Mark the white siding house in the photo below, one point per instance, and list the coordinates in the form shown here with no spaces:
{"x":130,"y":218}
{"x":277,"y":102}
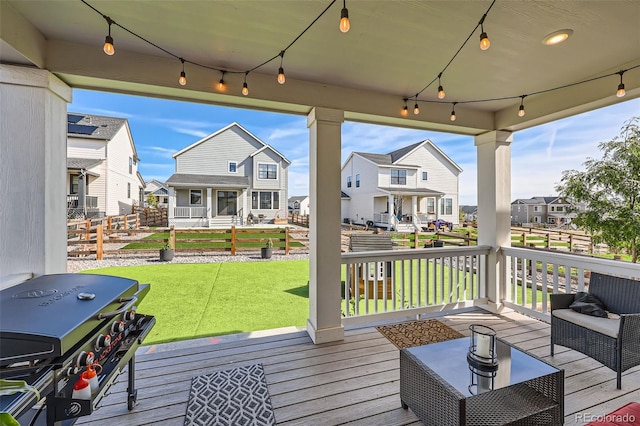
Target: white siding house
{"x":226,"y":176}
{"x":403,"y":189}
{"x":102,"y":166}
{"x":299,"y":204}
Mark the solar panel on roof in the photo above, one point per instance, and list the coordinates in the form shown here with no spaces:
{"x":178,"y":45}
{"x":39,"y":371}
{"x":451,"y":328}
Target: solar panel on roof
{"x":80,"y":129}
{"x":73,"y":118}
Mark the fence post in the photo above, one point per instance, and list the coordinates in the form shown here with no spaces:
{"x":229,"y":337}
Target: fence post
{"x":524,"y":239}
{"x":137,"y":220}
{"x":286,"y":240}
{"x":109,"y":223}
{"x":99,"y":241}
{"x":124,"y":218}
{"x":570,"y":243}
{"x":468,"y":238}
{"x":416,"y":239}
{"x":233,"y":240}
{"x":172,"y":237}
{"x":548,"y":241}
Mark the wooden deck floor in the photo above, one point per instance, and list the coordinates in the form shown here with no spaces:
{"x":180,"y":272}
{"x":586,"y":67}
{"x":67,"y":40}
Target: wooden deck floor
{"x":355,"y":381}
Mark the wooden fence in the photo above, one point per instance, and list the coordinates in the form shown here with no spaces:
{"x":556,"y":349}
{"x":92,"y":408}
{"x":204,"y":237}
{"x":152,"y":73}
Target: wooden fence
{"x":152,"y":216}
{"x":88,"y":242}
{"x":127,"y":221}
{"x":544,"y":238}
{"x":299,"y":219}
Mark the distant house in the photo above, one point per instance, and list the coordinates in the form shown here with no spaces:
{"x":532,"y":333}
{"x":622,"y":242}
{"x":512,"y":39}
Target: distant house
{"x":469,"y":213}
{"x":224,"y":177}
{"x":552,"y":210}
{"x":401,"y":190}
{"x":299,"y":204}
{"x":159,"y":190}
{"x":102,"y":166}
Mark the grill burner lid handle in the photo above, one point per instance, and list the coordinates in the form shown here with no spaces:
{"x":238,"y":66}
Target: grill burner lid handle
{"x":131,"y":301}
{"x":85,"y":358}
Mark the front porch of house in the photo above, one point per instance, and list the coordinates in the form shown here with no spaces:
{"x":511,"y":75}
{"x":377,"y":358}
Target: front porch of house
{"x":406,"y":211}
{"x":353,"y":381}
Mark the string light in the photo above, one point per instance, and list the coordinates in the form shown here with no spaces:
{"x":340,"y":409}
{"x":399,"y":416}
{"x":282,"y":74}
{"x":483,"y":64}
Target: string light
{"x":416,"y":109}
{"x":620,"y":92}
{"x":222,"y":86}
{"x":281,"y":77}
{"x":405,"y":110}
{"x":108,"y":40}
{"x":521,"y":111}
{"x":183,"y":77}
{"x":484,"y":39}
{"x":453,"y":112}
{"x":245,"y":88}
{"x":441,"y":93}
{"x":344,"y":18}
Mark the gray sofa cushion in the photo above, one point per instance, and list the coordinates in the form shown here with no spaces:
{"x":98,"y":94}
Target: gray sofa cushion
{"x":588,"y":304}
{"x":606,"y":326}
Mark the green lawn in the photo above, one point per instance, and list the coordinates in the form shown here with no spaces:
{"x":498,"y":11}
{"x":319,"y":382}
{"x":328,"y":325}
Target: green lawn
{"x":196,"y":300}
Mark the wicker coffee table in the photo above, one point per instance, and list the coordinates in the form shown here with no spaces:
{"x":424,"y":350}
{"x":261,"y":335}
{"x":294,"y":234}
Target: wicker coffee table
{"x":435,"y":383}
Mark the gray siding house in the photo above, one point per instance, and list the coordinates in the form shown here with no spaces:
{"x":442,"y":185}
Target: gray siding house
{"x":553,"y":210}
{"x":225,"y":177}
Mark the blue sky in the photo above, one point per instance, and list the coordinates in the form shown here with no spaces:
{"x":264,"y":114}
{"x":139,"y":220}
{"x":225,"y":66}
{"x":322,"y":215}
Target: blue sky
{"x":539,"y":155}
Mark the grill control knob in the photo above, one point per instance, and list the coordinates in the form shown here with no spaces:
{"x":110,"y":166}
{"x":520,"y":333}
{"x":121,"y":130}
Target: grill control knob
{"x":129,"y":316}
{"x":102,"y":341}
{"x":117,"y":327}
{"x":84,"y":359}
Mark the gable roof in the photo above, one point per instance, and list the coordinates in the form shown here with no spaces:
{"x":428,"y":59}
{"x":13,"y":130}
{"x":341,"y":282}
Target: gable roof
{"x":469,"y":209}
{"x":395,"y":157}
{"x":297,"y":198}
{"x":89,"y":126}
{"x":82,"y":163}
{"x":224,"y":129}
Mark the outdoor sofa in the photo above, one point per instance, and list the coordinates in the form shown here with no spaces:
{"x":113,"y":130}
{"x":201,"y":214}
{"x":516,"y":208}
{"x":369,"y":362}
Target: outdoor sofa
{"x":613,"y":340}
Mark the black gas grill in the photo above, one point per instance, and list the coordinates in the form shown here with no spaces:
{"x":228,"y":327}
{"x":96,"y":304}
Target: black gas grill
{"x":54,"y":326}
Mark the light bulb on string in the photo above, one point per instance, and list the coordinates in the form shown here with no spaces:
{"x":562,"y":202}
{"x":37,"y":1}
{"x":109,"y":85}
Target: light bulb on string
{"x":344,"y":18}
{"x":621,"y":92}
{"x":281,"y":77}
{"x":222,"y":86}
{"x":416,"y":109}
{"x":484,"y":39}
{"x":441,"y":93}
{"x":245,"y":87}
{"x":108,"y":40}
{"x":521,"y":111}
{"x":453,"y":112}
{"x":183,"y":77}
{"x":405,"y":110}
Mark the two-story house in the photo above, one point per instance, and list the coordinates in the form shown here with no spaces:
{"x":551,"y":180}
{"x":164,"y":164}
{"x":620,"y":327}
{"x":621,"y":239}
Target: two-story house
{"x":102,"y":166}
{"x":299,"y":204}
{"x":401,"y":190}
{"x":552,"y":210}
{"x":226,"y":176}
{"x":158,"y":190}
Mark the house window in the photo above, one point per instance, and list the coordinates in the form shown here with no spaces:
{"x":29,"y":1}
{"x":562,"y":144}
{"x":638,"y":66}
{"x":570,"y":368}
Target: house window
{"x":398,"y":177}
{"x":446,"y":206}
{"x":195,"y":197}
{"x":357,"y":181}
{"x":296,"y":205}
{"x":348,"y":181}
{"x":425,"y":176}
{"x":267,"y":171}
{"x":537,"y":208}
{"x":73,"y":187}
{"x":233,"y":167}
{"x":431,"y":205}
{"x":265,"y":200}
{"x":128,"y":190}
{"x":130,"y":165}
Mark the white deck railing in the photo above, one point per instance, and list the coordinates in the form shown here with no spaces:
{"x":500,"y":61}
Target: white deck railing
{"x":550,"y":272}
{"x":404,"y":283}
{"x":190,"y":212}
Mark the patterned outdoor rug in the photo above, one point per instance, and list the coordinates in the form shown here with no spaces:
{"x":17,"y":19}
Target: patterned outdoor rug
{"x":234,"y":397}
{"x":417,"y":333}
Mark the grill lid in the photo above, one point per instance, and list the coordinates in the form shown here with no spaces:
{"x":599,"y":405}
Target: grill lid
{"x":46,"y":316}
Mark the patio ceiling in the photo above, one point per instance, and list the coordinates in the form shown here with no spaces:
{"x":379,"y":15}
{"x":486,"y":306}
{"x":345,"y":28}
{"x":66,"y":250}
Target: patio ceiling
{"x":394,"y":49}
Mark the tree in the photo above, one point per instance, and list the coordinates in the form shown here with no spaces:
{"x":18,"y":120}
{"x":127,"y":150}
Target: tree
{"x":152,"y":201}
{"x":610,"y":189}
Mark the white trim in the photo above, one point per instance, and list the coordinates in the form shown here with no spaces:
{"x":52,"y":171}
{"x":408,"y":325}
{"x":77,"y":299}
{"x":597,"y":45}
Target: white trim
{"x":229,"y":167}
{"x":201,"y":196}
{"x":277,"y":172}
{"x":427,"y":141}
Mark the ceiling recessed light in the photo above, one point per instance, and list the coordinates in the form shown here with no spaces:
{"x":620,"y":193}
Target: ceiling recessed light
{"x":556,"y":37}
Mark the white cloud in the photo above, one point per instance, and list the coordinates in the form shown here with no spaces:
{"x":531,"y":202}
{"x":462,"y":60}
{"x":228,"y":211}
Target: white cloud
{"x":288,"y":132}
{"x":105,"y":112}
{"x":190,"y":131}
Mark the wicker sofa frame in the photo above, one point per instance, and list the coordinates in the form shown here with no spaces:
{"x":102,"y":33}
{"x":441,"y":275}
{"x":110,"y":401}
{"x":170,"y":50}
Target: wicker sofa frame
{"x":620,"y":296}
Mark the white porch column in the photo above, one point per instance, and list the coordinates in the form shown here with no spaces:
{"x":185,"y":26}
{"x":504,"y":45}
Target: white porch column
{"x":33,"y":167}
{"x":414,"y":206}
{"x":494,"y":207}
{"x":209,"y":205}
{"x":324,"y":323}
{"x":391,"y":210}
{"x":171,"y":204}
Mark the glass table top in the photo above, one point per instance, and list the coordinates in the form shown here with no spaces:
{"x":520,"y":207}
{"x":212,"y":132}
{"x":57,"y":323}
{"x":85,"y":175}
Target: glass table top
{"x":449,"y":361}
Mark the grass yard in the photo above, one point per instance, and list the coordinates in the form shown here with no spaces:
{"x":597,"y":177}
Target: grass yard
{"x":198,"y":300}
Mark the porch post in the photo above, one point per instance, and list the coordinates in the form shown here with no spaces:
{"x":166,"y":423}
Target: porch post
{"x":324,"y":323}
{"x":494,"y":193}
{"x":171,"y":204}
{"x":414,"y":207}
{"x":209,"y":205}
{"x":33,"y":169}
{"x":391,"y":210}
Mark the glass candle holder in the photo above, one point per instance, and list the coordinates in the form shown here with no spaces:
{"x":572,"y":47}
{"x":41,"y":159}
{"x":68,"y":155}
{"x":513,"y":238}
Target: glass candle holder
{"x":482,"y":345}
